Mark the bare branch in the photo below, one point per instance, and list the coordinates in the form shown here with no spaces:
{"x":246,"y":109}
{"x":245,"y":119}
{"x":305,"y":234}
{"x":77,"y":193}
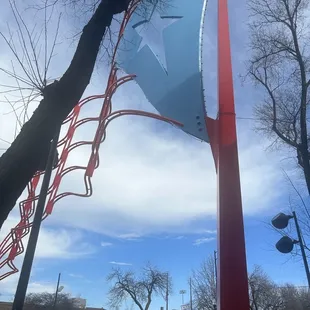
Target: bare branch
{"x":40,"y":301}
{"x":279,"y":63}
{"x":139,"y":289}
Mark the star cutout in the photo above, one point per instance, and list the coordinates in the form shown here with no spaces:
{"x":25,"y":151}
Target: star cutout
{"x":151,"y":32}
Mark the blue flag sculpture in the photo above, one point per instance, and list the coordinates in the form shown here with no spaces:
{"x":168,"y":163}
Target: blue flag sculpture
{"x":173,"y":82}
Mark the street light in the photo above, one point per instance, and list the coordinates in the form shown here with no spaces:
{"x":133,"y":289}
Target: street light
{"x":167,"y":290}
{"x":190,"y":294}
{"x":281,"y":220}
{"x":286,"y":244}
{"x":182,"y":292}
{"x":58,"y":290}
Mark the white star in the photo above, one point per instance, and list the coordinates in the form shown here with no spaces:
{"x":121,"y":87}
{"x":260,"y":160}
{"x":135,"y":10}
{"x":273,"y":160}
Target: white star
{"x":151,"y":32}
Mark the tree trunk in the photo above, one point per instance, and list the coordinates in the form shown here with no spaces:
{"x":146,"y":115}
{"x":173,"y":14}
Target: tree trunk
{"x":21,"y":161}
{"x":149,"y":300}
{"x":306,"y":166}
{"x":303,"y":101}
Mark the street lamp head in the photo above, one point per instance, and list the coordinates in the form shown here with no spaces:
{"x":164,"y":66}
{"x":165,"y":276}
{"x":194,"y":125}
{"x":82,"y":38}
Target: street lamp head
{"x":60,"y":289}
{"x":281,"y":220}
{"x":285,"y":245}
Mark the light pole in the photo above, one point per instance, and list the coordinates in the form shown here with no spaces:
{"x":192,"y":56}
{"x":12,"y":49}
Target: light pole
{"x":58,"y":290}
{"x":190,"y":294}
{"x":286,"y":244}
{"x":25,"y":272}
{"x":215,"y":268}
{"x":215,"y":274}
{"x":182,"y":292}
{"x":167,"y":292}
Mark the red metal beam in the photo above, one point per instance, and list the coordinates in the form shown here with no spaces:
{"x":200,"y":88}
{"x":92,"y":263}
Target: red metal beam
{"x":232,"y":269}
{"x":212,"y":129}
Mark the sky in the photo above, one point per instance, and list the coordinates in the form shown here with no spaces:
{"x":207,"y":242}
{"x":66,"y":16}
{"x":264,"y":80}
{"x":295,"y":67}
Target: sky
{"x":155,"y":191}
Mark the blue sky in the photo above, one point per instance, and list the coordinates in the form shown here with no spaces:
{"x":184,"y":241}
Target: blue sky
{"x":155,"y":191}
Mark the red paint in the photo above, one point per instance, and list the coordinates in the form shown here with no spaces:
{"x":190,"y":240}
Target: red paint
{"x":212,"y":128}
{"x":232,"y":270}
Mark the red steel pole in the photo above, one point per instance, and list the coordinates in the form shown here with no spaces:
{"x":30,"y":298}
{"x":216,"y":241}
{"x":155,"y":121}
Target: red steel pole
{"x":232,"y":269}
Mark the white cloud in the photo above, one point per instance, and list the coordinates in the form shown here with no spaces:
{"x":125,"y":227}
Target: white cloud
{"x":155,"y":179}
{"x":160,"y":180}
{"x":129,"y":236}
{"x":55,"y":243}
{"x":37,"y":287}
{"x":105,"y":244}
{"x":152,"y":178}
{"x":73,"y":275}
{"x":52,"y":244}
{"x":8,"y":287}
{"x":180,"y":237}
{"x":62,"y":244}
{"x":211,"y":232}
{"x":200,"y":241}
{"x":120,"y":263}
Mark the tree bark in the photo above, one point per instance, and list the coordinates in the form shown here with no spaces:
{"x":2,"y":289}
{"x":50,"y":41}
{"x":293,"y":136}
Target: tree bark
{"x":21,"y":161}
{"x":149,"y":300}
{"x":303,"y":147}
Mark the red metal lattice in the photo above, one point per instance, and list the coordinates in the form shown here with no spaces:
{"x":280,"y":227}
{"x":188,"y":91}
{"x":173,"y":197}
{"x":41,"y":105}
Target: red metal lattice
{"x":12,"y":245}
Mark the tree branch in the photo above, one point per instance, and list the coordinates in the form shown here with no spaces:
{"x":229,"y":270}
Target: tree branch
{"x":20,"y":162}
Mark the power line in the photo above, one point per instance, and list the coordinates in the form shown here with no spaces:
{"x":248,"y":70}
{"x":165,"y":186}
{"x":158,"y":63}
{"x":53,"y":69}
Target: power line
{"x":257,"y":119}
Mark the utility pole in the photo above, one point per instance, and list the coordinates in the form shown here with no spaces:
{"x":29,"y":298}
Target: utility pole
{"x":167,"y":292}
{"x":25,"y":272}
{"x":302,"y":248}
{"x":190,"y":294}
{"x":215,"y":268}
{"x":182,"y":292}
{"x":215,"y":264}
{"x":286,"y":244}
{"x":56,"y":293}
{"x":215,"y":276}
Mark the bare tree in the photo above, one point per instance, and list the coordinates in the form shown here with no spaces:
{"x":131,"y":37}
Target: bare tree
{"x":40,"y":301}
{"x":204,"y":285}
{"x":295,"y":298}
{"x":29,"y":150}
{"x":264,"y":293}
{"x":140,"y":289}
{"x":279,"y":63}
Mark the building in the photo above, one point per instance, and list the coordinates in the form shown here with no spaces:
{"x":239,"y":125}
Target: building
{"x":79,"y":302}
{"x":4,"y":305}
